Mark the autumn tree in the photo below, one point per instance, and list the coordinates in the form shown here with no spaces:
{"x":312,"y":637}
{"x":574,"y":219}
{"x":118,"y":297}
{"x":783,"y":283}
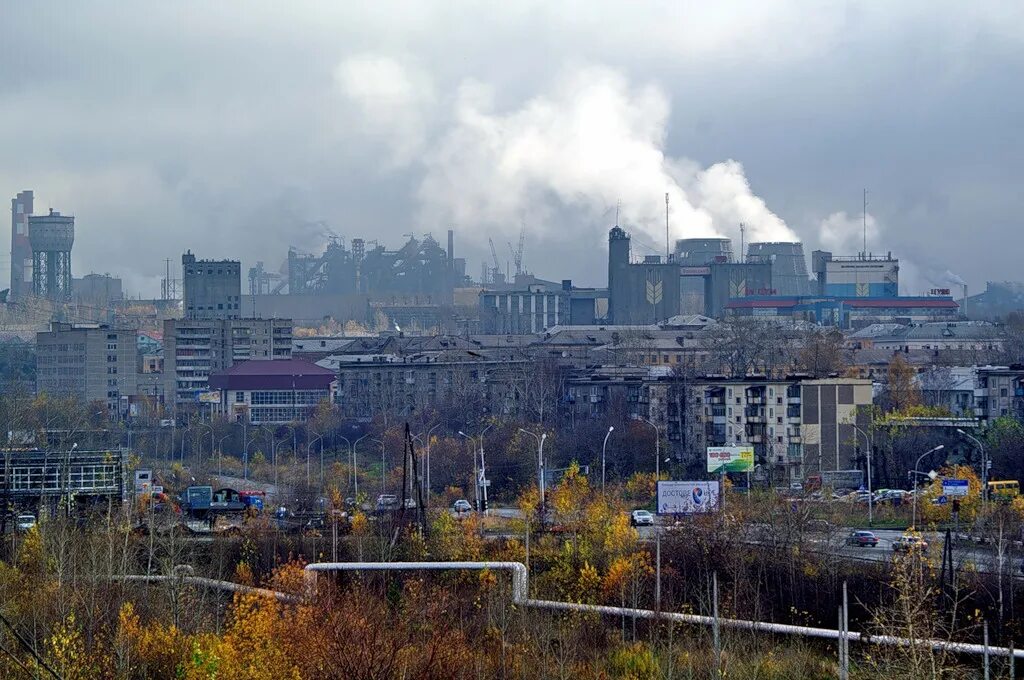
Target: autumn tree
{"x":822,"y":353}
{"x":902,"y":390}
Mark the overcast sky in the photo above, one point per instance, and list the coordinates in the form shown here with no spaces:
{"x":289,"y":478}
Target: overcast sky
{"x":238,"y":129}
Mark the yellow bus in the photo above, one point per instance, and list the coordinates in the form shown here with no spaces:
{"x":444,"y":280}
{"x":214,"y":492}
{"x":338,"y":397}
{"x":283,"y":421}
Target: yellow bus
{"x":1005,"y":489}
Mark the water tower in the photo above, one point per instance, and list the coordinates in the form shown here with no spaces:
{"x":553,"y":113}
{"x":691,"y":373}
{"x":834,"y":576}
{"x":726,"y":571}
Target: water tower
{"x":51,"y":237}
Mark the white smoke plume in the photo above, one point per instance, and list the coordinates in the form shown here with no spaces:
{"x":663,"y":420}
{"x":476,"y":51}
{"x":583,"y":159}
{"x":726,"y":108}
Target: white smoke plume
{"x":844,"y":234}
{"x":955,"y":279}
{"x":572,"y":152}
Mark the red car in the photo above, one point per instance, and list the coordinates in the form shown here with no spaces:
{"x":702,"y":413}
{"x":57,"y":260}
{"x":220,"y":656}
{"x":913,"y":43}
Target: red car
{"x":862,"y":539}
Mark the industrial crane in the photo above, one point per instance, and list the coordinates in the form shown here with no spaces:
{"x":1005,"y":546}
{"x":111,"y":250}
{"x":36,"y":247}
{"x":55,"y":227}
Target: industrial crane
{"x":496,"y":272}
{"x":517,"y":253}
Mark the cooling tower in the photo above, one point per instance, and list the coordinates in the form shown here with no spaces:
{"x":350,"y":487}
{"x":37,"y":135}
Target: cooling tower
{"x":697,"y":252}
{"x":789,"y":267}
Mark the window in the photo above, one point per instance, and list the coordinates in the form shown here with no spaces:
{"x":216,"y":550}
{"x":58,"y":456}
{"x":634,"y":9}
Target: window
{"x":239,"y":397}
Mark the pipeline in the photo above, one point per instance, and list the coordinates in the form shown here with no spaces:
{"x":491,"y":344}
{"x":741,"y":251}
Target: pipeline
{"x":520,"y":592}
{"x":215,"y":584}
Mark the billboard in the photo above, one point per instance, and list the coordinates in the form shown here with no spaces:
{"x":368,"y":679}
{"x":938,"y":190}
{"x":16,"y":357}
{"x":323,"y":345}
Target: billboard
{"x":687,"y":498}
{"x":209,"y":397}
{"x":730,"y":459}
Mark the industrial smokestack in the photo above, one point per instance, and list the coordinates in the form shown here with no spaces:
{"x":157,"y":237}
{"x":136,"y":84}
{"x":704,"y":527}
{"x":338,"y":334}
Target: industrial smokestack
{"x":451,"y":249}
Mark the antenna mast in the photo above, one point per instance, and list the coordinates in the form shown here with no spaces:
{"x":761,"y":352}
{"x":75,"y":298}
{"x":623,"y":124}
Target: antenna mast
{"x":864,"y":222}
{"x":668,"y":251}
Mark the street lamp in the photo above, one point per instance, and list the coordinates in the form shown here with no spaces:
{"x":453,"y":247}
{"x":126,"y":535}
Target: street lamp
{"x":540,"y":461}
{"x":984,"y":465}
{"x":199,"y":443}
{"x":657,"y":446}
{"x":245,"y":460}
{"x":867,"y":443}
{"x":383,"y":466}
{"x":919,"y":459}
{"x":481,"y":476}
{"x":320,"y":438}
{"x":604,"y":447}
{"x":220,"y":453}
{"x":429,"y":432}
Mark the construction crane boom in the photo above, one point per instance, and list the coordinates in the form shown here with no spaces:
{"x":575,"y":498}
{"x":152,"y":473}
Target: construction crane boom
{"x":519,"y":251}
{"x":494,"y":255}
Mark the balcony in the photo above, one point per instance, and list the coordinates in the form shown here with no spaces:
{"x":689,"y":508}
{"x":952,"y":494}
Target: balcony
{"x":756,"y":400}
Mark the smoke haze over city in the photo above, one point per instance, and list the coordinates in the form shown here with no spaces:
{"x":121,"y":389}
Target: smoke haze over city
{"x":238,"y":130}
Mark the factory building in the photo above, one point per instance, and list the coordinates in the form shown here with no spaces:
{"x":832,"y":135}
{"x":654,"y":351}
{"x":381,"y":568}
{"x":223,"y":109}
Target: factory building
{"x":540,"y":307}
{"x":21,"y":247}
{"x":51,"y":237}
{"x":639,"y":293}
{"x":212,"y":288}
{"x":845,"y":312}
{"x":857,"y":276}
{"x":698,"y":252}
{"x":420,"y":268}
{"x":653,"y":290}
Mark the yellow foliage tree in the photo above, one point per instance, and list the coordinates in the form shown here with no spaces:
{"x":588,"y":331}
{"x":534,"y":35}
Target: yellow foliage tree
{"x":970,"y":504}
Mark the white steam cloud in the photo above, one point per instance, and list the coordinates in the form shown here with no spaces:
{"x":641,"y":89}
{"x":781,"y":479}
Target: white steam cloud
{"x":587,"y":142}
{"x":844,"y":234}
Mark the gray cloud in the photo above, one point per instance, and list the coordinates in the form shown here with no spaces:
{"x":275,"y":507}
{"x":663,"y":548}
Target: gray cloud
{"x":226,"y":127}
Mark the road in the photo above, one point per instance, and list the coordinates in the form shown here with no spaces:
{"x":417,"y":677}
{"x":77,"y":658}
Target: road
{"x":979,"y":558}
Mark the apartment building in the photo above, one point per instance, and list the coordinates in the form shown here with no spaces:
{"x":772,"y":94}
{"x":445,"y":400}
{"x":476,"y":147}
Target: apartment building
{"x":981,"y":392}
{"x":91,"y":362}
{"x":370,"y":384}
{"x":196,"y":348}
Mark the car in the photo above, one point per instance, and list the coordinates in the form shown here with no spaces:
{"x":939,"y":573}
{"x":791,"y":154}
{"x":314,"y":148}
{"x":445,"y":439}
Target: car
{"x":862,"y":539}
{"x":462,"y":505}
{"x":910,"y":542}
{"x":819,"y":526}
{"x":24,"y":521}
{"x":641,"y":518}
{"x":387,"y":501}
{"x":796,"y":486}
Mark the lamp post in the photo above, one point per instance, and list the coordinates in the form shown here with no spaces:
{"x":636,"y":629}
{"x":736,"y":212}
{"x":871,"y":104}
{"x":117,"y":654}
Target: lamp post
{"x":220,"y":452}
{"x":604,"y":448}
{"x":245,"y":460}
{"x":867,"y":443}
{"x":984,"y":466}
{"x":480,"y":476}
{"x":199,"y":443}
{"x":657,"y":447}
{"x":352,"y":453}
{"x":383,"y":466}
{"x":919,"y":459}
{"x":476,"y":476}
{"x":317,"y":438}
{"x":429,"y":432}
{"x":540,"y":462}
